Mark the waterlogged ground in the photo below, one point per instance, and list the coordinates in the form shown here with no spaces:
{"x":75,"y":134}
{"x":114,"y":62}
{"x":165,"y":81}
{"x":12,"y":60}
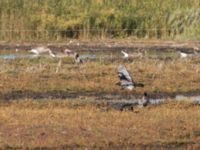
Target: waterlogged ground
{"x":44,"y":106}
{"x":160,"y":68}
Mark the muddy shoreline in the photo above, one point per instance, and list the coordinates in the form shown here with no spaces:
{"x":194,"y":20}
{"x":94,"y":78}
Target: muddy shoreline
{"x":17,"y":95}
{"x":110,"y":46}
{"x":173,"y":146}
{"x":99,"y":47}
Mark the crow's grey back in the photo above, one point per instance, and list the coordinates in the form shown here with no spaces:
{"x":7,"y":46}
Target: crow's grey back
{"x":125,"y":79}
{"x":123,"y":73}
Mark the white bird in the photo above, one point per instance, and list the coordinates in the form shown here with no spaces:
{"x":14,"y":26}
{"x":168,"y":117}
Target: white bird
{"x":183,"y":55}
{"x":40,"y":50}
{"x":125,"y":54}
{"x":70,"y":41}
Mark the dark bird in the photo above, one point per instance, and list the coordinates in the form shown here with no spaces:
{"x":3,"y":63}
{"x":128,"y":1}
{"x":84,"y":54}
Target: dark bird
{"x":74,"y":55}
{"x":144,"y":101}
{"x":77,"y":59}
{"x":126,"y":81}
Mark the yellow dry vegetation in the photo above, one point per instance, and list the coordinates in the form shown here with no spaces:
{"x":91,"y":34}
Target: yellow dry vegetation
{"x":56,"y":124}
{"x":158,"y":76}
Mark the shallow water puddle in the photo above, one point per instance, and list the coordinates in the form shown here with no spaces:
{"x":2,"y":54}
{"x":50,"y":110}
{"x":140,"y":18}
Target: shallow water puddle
{"x":124,"y":104}
{"x":16,"y":56}
{"x":194,"y":99}
{"x":24,"y":54}
{"x":93,"y":55}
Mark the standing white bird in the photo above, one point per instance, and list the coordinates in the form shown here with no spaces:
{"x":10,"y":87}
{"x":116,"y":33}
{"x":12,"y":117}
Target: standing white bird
{"x":40,"y":50}
{"x":183,"y":55}
{"x":125,"y":54}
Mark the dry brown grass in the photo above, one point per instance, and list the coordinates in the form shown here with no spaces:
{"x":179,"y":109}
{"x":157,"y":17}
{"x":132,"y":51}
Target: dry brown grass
{"x":159,"y":76}
{"x":57,"y":124}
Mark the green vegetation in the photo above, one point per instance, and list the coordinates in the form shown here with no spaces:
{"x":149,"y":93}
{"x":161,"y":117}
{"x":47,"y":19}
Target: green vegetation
{"x":28,"y":20}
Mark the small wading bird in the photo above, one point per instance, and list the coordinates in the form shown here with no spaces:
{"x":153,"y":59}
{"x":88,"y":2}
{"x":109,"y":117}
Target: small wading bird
{"x":182,"y":54}
{"x":144,"y":101}
{"x":69,"y":53}
{"x":126,"y":81}
{"x":140,"y":103}
{"x":185,"y":55}
{"x":125,"y":55}
{"x":77,"y":59}
{"x":132,"y":55}
{"x":75,"y":55}
{"x":40,"y":50}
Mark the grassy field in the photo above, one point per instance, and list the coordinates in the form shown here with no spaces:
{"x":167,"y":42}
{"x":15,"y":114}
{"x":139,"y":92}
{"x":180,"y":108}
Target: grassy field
{"x":55,"y":124}
{"x":158,"y":76}
{"x":80,"y":122}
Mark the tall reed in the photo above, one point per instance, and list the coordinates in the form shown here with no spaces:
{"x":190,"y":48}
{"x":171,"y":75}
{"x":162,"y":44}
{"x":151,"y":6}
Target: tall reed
{"x":60,"y":19}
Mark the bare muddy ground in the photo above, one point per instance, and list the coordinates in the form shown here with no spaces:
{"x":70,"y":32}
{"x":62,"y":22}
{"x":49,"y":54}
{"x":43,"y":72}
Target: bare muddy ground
{"x":17,"y":95}
{"x":103,"y":101}
{"x":110,"y":46}
{"x":114,"y":46}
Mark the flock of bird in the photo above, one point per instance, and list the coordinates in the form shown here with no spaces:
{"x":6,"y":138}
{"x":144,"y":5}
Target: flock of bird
{"x":126,"y":81}
{"x":67,"y":53}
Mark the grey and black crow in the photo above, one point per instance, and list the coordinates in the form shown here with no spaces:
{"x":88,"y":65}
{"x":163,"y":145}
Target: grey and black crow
{"x":126,"y":81}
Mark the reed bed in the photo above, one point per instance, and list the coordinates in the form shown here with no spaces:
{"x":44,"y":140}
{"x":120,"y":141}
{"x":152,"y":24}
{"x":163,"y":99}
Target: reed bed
{"x":46,"y":20}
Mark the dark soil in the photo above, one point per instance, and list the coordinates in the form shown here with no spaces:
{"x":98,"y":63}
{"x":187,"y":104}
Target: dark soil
{"x":110,"y":46}
{"x":119,"y":147}
{"x":17,"y":95}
